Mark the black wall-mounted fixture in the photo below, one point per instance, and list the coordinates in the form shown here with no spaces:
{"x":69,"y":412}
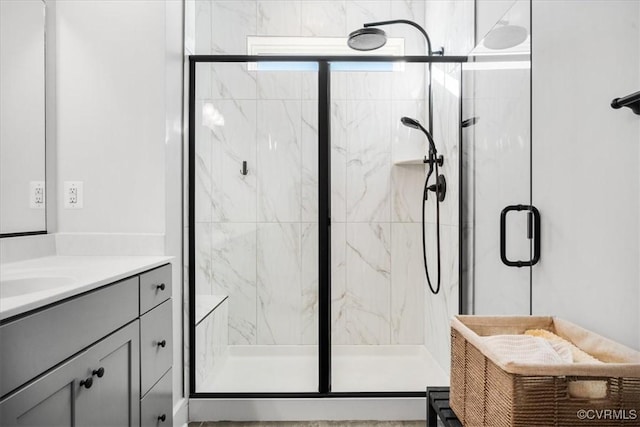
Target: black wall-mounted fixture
{"x":244,"y":170}
{"x":632,"y":101}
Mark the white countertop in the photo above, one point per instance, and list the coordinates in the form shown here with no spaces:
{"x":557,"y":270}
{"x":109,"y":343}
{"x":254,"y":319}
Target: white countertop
{"x":74,"y":274}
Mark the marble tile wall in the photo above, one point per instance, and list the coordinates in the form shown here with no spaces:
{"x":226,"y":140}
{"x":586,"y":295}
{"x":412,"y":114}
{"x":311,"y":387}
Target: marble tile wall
{"x":257,"y":234}
{"x":211,"y":344}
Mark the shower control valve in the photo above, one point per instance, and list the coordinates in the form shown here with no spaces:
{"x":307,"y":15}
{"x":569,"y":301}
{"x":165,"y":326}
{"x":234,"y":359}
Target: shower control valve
{"x":440,"y":188}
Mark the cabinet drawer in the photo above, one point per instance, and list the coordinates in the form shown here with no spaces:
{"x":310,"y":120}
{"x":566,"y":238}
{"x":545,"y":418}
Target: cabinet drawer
{"x":35,"y":343}
{"x":156,"y":345}
{"x":155,"y":287}
{"x":156,"y":409}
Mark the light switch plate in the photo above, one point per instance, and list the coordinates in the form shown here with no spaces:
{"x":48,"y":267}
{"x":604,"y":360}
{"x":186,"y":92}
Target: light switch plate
{"x":73,"y":197}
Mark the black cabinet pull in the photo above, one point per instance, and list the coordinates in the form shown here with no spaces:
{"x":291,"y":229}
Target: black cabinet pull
{"x":98,"y":372}
{"x":162,"y":343}
{"x":86,"y":383}
{"x":162,"y":418}
{"x":160,"y":287}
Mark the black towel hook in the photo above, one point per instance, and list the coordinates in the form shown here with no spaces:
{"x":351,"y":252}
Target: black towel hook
{"x":632,"y":101}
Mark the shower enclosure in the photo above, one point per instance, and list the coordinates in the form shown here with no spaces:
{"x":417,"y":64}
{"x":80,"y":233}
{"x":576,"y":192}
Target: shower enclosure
{"x":306,"y":272}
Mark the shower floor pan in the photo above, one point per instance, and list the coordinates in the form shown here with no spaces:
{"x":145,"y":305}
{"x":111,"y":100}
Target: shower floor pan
{"x":355,"y":368}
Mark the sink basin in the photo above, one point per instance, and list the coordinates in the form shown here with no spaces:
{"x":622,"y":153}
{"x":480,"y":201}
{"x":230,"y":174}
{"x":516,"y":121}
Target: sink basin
{"x":13,"y":287}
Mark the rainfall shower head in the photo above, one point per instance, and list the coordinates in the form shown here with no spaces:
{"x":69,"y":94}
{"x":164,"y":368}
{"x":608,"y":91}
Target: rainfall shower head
{"x":414,"y":124}
{"x":367,"y":39}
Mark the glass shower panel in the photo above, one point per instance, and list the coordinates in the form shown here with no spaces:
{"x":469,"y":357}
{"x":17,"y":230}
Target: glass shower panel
{"x":497,"y":166}
{"x":256,"y":228}
{"x":378,"y":291}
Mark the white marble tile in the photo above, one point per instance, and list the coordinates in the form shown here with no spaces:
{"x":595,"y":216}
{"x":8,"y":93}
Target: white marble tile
{"x":414,"y":41}
{"x":407,"y":181}
{"x":368,"y":275}
{"x":203,"y":27}
{"x":324,"y":18}
{"x":211,"y":345}
{"x":411,"y":82}
{"x":278,"y":18}
{"x":309,"y":280}
{"x":309,"y":85}
{"x":279,"y":85}
{"x":441,"y":307}
{"x":234,"y":135}
{"x":360,"y":12}
{"x":339,"y":296}
{"x":369,"y":161}
{"x":369,"y":85}
{"x":233,"y":274}
{"x":407,"y":284}
{"x":309,"y":152}
{"x":279,"y":161}
{"x":279,"y":284}
{"x":203,"y":191}
{"x":338,"y":161}
{"x":232,"y":81}
{"x":203,"y":258}
{"x":232,"y":22}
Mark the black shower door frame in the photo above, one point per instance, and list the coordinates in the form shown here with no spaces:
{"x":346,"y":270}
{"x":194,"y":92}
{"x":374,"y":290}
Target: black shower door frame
{"x":324,"y":213}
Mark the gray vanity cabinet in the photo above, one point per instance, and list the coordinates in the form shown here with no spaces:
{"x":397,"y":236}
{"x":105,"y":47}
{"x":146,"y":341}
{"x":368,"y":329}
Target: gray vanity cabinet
{"x":94,"y":360}
{"x":97,"y":387}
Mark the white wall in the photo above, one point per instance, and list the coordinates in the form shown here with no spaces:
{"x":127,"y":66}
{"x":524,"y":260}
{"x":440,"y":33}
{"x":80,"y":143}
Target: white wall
{"x":585,"y":164}
{"x":119,"y":127}
{"x":111,"y":114}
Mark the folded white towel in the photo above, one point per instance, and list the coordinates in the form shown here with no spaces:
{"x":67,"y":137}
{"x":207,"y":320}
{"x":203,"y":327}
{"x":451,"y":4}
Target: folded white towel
{"x":526,"y":349}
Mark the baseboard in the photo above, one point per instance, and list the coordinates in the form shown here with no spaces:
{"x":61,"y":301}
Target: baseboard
{"x":303,"y":409}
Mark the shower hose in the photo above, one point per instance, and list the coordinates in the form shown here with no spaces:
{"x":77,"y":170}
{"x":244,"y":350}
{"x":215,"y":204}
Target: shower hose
{"x":433,"y":160}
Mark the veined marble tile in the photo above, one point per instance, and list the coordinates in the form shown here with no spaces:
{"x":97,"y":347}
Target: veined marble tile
{"x":232,"y":81}
{"x":360,"y":12}
{"x":203,"y":258}
{"x":369,"y":161}
{"x":407,"y":284}
{"x":338,"y":161}
{"x":279,"y":18}
{"x":279,"y":283}
{"x":368,"y":283}
{"x":279,"y":85}
{"x":309,"y":152}
{"x":414,"y":42}
{"x":372,"y":85}
{"x":234,"y":274}
{"x":407,"y":181}
{"x":203,"y":81}
{"x":324,"y":18}
{"x":232,"y":22}
{"x":339,"y":296}
{"x":410,"y":83}
{"x":204,"y":143}
{"x":441,"y":307}
{"x":234,"y":135}
{"x":309,"y":85}
{"x":279,"y":161}
{"x":309,"y":280}
{"x":203,"y":28}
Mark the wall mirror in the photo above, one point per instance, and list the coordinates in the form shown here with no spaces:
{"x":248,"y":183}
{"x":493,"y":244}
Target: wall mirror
{"x":22,"y":118}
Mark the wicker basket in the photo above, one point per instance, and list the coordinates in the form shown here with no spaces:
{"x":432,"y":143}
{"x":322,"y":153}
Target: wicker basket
{"x":486,"y":391}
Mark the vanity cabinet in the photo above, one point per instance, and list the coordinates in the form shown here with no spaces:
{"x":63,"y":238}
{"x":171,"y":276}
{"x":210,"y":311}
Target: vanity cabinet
{"x":94,"y":360}
{"x":97,"y":387}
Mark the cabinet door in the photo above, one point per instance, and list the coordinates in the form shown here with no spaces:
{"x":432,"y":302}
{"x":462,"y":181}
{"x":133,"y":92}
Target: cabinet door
{"x":113,"y":400}
{"x":57,"y":399}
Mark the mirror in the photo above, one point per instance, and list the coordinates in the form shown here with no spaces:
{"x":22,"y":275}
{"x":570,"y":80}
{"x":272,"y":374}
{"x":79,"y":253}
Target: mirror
{"x":22,"y":117}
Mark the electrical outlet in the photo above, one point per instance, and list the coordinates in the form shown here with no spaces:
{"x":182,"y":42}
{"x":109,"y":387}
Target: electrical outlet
{"x":36,"y":194}
{"x":73,"y":195}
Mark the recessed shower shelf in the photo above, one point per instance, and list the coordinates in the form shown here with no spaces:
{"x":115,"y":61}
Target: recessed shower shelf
{"x":406,"y":162}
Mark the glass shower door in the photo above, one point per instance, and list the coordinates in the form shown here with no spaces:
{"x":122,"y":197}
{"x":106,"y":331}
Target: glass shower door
{"x":256,"y":228}
{"x":497,"y":170}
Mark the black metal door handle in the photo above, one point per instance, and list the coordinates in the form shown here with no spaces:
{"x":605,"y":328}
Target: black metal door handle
{"x":536,"y":235}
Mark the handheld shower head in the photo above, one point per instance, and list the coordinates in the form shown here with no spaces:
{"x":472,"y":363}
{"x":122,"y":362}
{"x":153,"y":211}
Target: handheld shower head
{"x":414,"y":124}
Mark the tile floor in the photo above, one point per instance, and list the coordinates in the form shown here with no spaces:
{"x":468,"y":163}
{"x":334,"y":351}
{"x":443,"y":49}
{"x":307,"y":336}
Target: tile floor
{"x":313,"y":424}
